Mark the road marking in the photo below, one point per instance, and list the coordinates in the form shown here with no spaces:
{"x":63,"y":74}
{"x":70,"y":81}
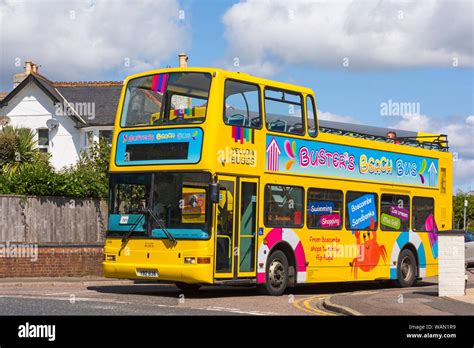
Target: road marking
{"x":308,"y":308}
{"x":234,"y":310}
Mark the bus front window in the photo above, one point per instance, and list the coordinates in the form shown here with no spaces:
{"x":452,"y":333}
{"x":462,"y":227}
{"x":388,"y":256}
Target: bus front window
{"x":168,"y":98}
{"x":180,"y":202}
{"x":128,"y":198}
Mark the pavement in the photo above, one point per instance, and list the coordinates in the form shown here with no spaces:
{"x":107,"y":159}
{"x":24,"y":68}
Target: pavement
{"x":421,"y":299}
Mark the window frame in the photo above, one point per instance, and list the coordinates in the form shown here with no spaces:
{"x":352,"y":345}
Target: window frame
{"x":342,"y":208}
{"x":413,"y":215}
{"x":313,"y":103}
{"x":385,"y":229}
{"x":277,"y":89}
{"x":87,"y":144}
{"x":346,"y":219}
{"x":260,"y":109}
{"x":165,"y":108}
{"x":111,"y":135}
{"x":42,"y":148}
{"x":303,"y":217}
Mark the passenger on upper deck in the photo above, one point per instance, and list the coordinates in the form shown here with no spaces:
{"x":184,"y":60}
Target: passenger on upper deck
{"x":393,"y":136}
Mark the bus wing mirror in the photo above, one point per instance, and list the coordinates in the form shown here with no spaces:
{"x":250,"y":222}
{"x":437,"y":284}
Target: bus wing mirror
{"x":215,"y":192}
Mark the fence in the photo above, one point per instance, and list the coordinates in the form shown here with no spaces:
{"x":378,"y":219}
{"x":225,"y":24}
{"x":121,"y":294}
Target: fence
{"x":51,"y":236}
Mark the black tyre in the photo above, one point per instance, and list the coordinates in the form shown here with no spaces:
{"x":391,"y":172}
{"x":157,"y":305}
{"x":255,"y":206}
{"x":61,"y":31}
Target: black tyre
{"x":276,"y":279}
{"x":188,"y":288}
{"x":406,"y":269}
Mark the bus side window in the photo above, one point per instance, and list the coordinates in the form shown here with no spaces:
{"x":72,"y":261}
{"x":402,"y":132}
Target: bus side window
{"x":423,"y":214}
{"x":311,"y":115}
{"x":242,"y":104}
{"x":284,"y":111}
{"x":394,"y":212}
{"x":361,"y":211}
{"x":324,"y":209}
{"x":283,"y":206}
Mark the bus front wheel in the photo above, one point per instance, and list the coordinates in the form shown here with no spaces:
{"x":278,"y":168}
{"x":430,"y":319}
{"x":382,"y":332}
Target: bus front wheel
{"x":276,"y":274}
{"x":406,"y":269}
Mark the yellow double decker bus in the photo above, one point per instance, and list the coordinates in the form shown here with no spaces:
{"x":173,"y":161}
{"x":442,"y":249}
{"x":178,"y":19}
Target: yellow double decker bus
{"x":220,"y":177}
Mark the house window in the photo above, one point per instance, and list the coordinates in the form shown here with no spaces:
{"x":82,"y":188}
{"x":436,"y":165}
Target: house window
{"x":107,"y":134}
{"x":43,"y":139}
{"x":88,"y":138}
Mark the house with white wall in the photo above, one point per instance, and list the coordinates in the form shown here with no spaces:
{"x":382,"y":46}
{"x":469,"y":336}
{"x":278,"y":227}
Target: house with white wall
{"x":66,"y":116}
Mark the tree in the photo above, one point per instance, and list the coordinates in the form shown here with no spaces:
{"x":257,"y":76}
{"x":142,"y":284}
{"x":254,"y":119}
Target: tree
{"x":18,"y":150}
{"x":458,"y":210}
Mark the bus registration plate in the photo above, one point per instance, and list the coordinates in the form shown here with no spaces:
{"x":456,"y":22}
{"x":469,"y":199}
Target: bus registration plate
{"x":147,"y":273}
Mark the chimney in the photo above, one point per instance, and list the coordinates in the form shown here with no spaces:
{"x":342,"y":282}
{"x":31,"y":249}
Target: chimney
{"x":183,"y":60}
{"x":34,"y":68}
{"x":30,"y":67}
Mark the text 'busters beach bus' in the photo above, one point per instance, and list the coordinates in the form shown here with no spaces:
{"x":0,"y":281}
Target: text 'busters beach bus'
{"x":220,"y":177}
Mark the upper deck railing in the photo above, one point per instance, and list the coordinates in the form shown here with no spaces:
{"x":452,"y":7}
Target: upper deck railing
{"x":437,"y":142}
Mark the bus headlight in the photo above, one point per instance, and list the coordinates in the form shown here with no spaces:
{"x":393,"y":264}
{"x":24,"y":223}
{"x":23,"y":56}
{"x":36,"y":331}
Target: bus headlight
{"x":190,"y":260}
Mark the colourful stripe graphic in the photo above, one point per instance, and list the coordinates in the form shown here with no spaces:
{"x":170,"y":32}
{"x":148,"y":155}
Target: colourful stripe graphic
{"x":158,"y":83}
{"x":241,"y":134}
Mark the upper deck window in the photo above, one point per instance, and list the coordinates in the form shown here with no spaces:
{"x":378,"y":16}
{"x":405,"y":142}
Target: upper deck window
{"x":242,"y":104}
{"x":283,"y":111}
{"x":311,"y":112}
{"x":173,"y":98}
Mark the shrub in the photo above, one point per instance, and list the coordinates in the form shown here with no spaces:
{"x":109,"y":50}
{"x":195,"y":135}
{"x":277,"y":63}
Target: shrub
{"x":88,"y":178}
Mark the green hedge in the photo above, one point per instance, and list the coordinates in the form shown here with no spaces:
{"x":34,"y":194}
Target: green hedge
{"x":87,"y":179}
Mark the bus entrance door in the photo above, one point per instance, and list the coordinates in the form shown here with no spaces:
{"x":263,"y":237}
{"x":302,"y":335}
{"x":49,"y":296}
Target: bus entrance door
{"x":236,"y":226}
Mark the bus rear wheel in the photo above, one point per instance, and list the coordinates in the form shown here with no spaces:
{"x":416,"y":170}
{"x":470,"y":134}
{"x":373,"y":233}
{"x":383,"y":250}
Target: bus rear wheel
{"x":188,"y":288}
{"x":276,"y":274}
{"x":406,"y":269}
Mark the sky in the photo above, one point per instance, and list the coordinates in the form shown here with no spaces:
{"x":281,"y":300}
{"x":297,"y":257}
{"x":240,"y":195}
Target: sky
{"x":357,"y":56}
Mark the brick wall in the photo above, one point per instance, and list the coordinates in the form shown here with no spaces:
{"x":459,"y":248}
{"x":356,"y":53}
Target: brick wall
{"x":55,"y":261}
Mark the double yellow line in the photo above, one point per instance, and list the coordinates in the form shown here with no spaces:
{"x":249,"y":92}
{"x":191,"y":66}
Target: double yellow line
{"x":304,"y":304}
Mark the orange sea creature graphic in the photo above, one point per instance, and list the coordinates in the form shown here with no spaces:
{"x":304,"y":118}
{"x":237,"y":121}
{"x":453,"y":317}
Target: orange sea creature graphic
{"x":369,"y":250}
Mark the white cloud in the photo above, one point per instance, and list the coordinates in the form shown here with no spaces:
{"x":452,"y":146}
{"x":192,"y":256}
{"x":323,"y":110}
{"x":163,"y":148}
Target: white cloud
{"x":470,"y":120}
{"x":83,"y":40}
{"x":370,"y":34}
{"x":460,"y":132}
{"x":257,"y":68}
{"x":463,"y":177}
{"x":328,"y":116}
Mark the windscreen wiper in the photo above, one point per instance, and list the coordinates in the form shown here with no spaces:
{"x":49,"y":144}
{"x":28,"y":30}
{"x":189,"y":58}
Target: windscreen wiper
{"x":161,"y":225}
{"x":132,"y":229}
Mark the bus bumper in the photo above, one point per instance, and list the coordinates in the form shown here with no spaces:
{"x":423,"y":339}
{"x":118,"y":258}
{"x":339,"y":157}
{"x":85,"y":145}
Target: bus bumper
{"x":194,"y":273}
